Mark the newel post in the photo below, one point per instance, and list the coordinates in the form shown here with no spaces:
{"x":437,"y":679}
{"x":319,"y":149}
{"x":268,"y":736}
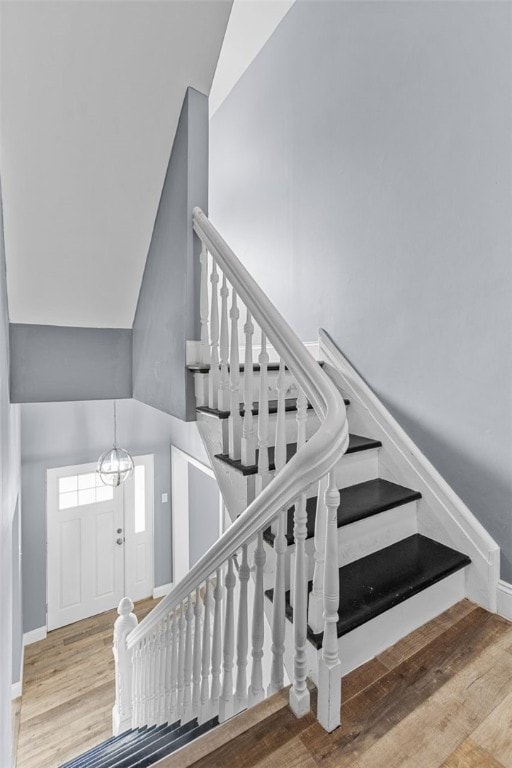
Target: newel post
{"x":329,"y":668}
{"x":122,"y":709}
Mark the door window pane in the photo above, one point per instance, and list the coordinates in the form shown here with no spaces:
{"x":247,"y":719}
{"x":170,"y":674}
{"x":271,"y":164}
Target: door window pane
{"x":87,"y":481}
{"x":140,"y":499}
{"x":67,"y":484}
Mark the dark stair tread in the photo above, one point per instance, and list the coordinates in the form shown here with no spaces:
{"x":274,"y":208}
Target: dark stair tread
{"x":290,"y":405}
{"x":205,"y":367}
{"x":379,"y":581}
{"x":174,"y":745}
{"x":96,"y":756}
{"x":356,"y":443}
{"x":357,"y":502}
{"x":142,"y":745}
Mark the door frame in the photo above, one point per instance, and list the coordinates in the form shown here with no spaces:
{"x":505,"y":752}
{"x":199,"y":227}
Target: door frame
{"x":53,"y":474}
{"x":180,"y":462}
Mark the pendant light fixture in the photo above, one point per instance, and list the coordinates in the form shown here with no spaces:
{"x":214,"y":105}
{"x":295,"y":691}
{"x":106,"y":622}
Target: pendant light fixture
{"x":115,"y":465}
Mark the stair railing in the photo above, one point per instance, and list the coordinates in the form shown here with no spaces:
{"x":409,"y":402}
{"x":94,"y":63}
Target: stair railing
{"x":187,"y":659}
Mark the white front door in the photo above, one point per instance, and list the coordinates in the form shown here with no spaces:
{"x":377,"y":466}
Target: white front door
{"x":100,"y":541}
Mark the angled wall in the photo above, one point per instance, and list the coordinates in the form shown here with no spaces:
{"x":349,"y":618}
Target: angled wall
{"x":167,"y":310}
{"x":362,"y":168}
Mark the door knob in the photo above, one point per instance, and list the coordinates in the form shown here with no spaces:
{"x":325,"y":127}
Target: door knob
{"x":119,"y":530}
{"x":119,"y":541}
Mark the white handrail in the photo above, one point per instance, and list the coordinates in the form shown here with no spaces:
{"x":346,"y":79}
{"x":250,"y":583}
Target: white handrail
{"x":312,"y":462}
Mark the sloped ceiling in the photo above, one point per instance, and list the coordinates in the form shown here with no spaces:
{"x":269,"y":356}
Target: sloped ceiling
{"x":90,"y":98}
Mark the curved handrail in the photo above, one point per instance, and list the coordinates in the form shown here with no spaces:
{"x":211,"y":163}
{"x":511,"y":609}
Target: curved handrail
{"x":308,"y":465}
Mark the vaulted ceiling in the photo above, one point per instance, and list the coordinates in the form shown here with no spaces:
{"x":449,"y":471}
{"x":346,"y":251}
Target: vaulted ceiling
{"x":90,"y":98}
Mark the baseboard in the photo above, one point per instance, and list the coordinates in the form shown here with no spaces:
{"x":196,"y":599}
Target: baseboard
{"x":34,"y":636}
{"x":504,"y":599}
{"x":162,"y":590}
{"x":16,"y":690}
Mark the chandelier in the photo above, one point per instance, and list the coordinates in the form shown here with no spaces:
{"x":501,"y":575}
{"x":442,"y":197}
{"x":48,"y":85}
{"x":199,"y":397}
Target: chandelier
{"x":115,"y":465}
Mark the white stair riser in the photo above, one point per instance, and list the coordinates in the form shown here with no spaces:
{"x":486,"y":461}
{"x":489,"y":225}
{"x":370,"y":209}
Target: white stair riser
{"x":201,"y":386}
{"x":365,"y":537}
{"x":354,"y":468}
{"x":374,"y":637}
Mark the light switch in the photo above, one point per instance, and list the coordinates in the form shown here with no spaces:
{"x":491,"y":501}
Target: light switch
{"x":165,"y":497}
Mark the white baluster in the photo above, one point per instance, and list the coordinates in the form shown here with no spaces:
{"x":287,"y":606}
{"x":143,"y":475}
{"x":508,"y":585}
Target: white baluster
{"x":226,"y":699}
{"x":204,"y":710}
{"x":224,"y":393}
{"x":214,"y":376}
{"x":316,"y":596}
{"x":159,"y":716}
{"x":256,"y":692}
{"x":299,"y":693}
{"x":196,"y":665}
{"x":329,"y":668}
{"x":203,"y":307}
{"x":235,"y":420}
{"x":152,"y":678}
{"x":187,"y":693}
{"x":174,"y":668}
{"x":280,"y":547}
{"x":242,"y":641}
{"x":182,"y":623}
{"x":144,"y":683}
{"x":216,"y":644}
{"x":278,"y":607}
{"x":122,"y":710}
{"x":168,"y":667}
{"x":136,"y":686}
{"x":263,"y":438}
{"x":280,"y":442}
{"x":248,"y":447}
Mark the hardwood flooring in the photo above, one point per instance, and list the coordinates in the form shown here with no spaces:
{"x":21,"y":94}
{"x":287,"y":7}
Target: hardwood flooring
{"x":68,"y":691}
{"x":440,"y":698}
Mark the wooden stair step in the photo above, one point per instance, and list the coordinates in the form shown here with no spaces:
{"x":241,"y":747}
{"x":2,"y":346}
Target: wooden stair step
{"x":356,"y":443}
{"x":375,"y":583}
{"x":357,"y":502}
{"x":290,"y":405}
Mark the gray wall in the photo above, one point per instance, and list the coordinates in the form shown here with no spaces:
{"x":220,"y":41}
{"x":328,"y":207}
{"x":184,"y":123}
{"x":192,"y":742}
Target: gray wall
{"x":9,"y":499}
{"x":203,"y":511}
{"x":54,"y":363}
{"x":362,"y":170}
{"x":167,"y":311}
{"x":61,"y":434}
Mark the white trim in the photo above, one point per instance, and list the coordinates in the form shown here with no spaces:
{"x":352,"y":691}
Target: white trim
{"x":180,"y":461}
{"x":34,"y":636}
{"x":442,"y":515}
{"x":16,"y":689}
{"x":162,"y":590}
{"x":504,"y":599}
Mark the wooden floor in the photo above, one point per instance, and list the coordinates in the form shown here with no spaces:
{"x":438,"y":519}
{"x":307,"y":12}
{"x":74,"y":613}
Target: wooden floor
{"x":68,"y":691}
{"x":440,"y":698}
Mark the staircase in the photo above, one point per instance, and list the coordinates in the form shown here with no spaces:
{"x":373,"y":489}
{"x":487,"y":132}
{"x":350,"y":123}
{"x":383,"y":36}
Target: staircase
{"x":342,"y":537}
